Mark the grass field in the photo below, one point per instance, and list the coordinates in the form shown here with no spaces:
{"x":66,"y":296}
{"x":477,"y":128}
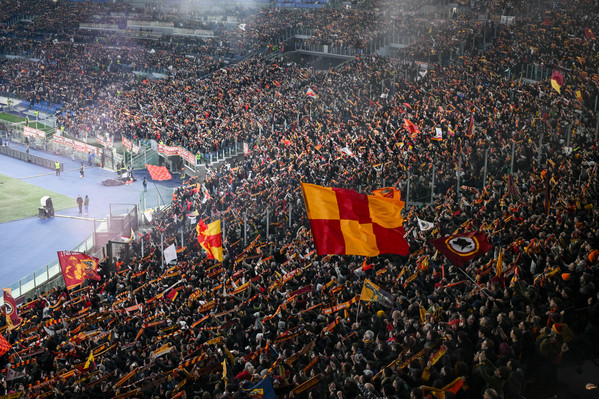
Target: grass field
{"x":11,"y":118}
{"x":19,"y":200}
{"x":36,"y":125}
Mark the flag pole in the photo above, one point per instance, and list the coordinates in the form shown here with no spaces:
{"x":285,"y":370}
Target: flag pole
{"x":408,"y":191}
{"x":158,"y":195}
{"x":485,"y":169}
{"x":222,"y":229}
{"x":162,"y":250}
{"x":540,"y":150}
{"x":16,"y":353}
{"x":433,"y":186}
{"x":458,"y":178}
{"x":245,"y":222}
{"x":268,"y":222}
{"x":474,"y":281}
{"x":512,"y":158}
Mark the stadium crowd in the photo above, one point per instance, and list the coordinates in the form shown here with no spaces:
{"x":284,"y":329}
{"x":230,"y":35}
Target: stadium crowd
{"x":206,"y":329}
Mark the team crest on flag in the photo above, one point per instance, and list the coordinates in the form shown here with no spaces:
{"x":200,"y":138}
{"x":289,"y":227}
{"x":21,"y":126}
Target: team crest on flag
{"x":424,"y":225}
{"x":76,"y":267}
{"x":460,"y":248}
{"x":12,"y":316}
{"x":373,"y":293}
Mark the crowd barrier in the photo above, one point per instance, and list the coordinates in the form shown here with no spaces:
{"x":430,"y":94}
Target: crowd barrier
{"x":50,"y":276}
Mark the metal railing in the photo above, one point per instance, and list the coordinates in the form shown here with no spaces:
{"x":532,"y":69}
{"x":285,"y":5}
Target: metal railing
{"x":46,"y":275}
{"x":50,"y":276}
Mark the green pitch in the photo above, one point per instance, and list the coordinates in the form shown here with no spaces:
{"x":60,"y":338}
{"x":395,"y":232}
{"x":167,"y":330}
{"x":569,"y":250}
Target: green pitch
{"x":19,"y":200}
{"x":32,"y":123}
{"x":11,"y":118}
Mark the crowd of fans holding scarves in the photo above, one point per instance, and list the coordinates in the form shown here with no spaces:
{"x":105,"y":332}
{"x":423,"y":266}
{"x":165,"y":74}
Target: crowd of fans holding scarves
{"x":277,"y":314}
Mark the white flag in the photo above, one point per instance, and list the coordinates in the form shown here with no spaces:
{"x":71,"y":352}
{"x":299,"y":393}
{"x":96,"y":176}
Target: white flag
{"x":348,"y":152}
{"x":49,"y":332}
{"x":242,"y":27}
{"x":170,"y":254}
{"x":424,"y":225}
{"x":311,"y":93}
{"x":128,"y":239}
{"x":438,"y":134}
{"x":149,"y":214}
{"x":14,"y":374}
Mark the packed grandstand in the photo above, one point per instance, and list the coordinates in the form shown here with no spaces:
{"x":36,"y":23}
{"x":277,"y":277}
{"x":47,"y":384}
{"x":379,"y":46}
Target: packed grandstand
{"x":485,"y":116}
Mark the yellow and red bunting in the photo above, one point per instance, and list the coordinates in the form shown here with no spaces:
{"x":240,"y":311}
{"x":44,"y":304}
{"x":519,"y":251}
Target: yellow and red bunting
{"x":341,"y":306}
{"x":438,"y":355}
{"x":332,"y":325}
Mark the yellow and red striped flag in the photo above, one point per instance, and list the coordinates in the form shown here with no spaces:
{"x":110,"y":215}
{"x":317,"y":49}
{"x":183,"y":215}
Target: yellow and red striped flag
{"x":209,"y":237}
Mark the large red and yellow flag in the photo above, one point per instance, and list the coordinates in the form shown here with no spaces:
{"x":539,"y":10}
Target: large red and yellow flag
{"x":158,"y":173}
{"x":12,"y":315}
{"x":209,"y":237}
{"x":76,"y":267}
{"x":345,"y":222}
{"x":4,"y":345}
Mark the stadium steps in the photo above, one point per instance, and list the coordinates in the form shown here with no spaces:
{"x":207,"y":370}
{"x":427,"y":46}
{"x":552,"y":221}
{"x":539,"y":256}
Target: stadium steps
{"x":273,"y":55}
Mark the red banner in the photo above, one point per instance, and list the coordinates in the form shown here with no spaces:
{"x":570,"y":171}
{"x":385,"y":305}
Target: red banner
{"x":127,"y":144}
{"x":188,"y":156}
{"x":79,"y":146}
{"x":76,"y":267}
{"x":166,"y":150}
{"x":341,"y":306}
{"x":29,"y":131}
{"x":101,"y":140}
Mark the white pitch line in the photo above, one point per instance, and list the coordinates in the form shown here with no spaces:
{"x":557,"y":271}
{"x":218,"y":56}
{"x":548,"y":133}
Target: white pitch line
{"x":47,"y":174}
{"x":73,"y":217}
